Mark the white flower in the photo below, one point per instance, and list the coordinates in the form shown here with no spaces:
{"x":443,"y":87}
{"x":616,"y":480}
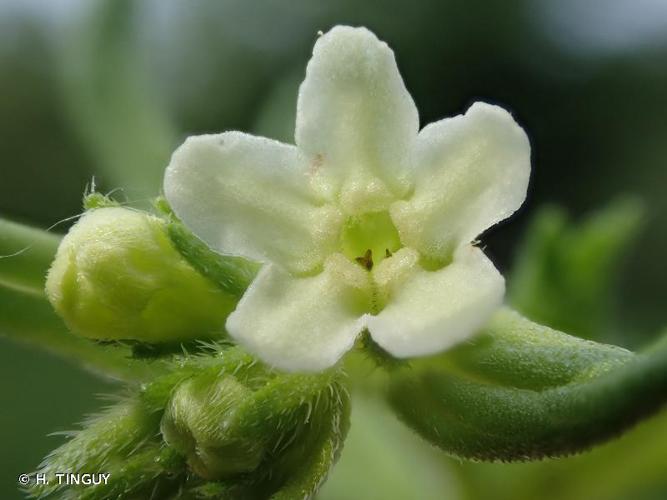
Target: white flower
{"x":366,"y":223}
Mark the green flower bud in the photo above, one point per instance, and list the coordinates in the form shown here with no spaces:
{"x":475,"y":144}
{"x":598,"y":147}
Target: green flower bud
{"x":220,"y":425}
{"x":117,"y":275}
{"x":284,"y":431}
{"x":198,"y":423}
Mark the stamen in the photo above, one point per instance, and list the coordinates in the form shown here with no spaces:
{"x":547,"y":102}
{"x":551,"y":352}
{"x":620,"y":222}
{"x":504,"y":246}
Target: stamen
{"x":366,"y":260}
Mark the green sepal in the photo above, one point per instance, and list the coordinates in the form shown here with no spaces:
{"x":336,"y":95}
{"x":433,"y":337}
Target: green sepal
{"x":521,"y":391}
{"x":293,"y":424}
{"x":278,"y":434}
{"x":122,"y":442}
{"x":232,"y":274}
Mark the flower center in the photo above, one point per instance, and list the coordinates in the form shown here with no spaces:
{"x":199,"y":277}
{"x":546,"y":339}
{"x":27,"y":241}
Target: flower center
{"x":369,"y":238}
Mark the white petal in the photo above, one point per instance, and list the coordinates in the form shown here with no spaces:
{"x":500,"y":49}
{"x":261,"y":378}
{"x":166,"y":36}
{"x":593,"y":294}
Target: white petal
{"x":392,"y":272}
{"x":249,"y":196}
{"x":472,"y":172}
{"x":432,"y":311}
{"x":301,"y":324}
{"x":354,"y":113}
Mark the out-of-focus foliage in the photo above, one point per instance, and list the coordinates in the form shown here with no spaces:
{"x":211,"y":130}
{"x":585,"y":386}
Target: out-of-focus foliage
{"x":109,"y":89}
{"x":380,"y":447}
{"x":631,"y":467}
{"x":566,"y":275}
{"x":111,"y":104}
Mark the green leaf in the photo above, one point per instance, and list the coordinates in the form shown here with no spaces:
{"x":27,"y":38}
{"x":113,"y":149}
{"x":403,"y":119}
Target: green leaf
{"x":522,"y":391}
{"x":565,"y":273}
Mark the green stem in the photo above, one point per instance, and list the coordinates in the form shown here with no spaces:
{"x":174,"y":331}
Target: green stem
{"x":25,"y":256}
{"x":30,"y":319}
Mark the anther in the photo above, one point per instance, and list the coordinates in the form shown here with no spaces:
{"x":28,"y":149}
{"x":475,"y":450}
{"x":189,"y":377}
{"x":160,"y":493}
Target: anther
{"x":367,"y":260}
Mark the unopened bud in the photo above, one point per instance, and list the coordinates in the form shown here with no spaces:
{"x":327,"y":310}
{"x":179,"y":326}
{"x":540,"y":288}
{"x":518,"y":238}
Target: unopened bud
{"x":252,"y":421}
{"x":199,"y":423}
{"x":117,"y":275}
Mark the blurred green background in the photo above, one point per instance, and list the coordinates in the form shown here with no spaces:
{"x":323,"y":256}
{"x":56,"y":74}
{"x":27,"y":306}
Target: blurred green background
{"x":109,"y":89}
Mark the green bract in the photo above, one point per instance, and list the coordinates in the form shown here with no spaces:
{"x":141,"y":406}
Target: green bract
{"x":117,"y":275}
